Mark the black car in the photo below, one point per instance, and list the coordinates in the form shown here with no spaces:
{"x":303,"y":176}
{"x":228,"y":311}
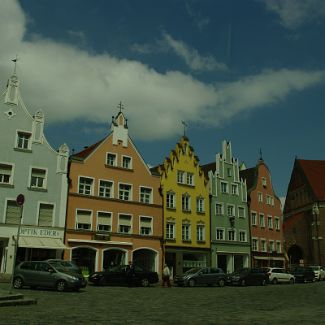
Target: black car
{"x":303,"y":274}
{"x":248,"y":276}
{"x":199,"y":276}
{"x":120,"y":275}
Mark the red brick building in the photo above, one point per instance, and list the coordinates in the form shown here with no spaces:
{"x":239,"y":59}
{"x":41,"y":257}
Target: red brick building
{"x":304,"y":213}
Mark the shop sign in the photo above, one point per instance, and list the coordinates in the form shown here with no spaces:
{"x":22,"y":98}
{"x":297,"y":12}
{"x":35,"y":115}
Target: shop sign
{"x":41,"y":232}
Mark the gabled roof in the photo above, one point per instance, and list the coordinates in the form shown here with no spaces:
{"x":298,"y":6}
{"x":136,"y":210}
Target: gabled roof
{"x":87,"y":151}
{"x":250,"y":175}
{"x":314,"y":171}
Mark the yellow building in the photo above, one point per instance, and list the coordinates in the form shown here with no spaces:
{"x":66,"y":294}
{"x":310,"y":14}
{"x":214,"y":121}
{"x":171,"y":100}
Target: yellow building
{"x":186,"y":209}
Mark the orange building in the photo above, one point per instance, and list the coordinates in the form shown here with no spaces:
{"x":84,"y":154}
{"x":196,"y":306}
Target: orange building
{"x":265,"y":217}
{"x":114,"y":211}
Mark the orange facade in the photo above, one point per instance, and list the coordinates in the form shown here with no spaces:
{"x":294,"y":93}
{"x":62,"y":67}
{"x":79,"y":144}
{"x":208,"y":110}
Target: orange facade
{"x":114,"y":212}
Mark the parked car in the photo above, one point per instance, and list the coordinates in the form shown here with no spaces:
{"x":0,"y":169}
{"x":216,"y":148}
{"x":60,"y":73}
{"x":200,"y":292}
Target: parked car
{"x":303,"y":274}
{"x":279,"y":275}
{"x":248,"y":276}
{"x":201,"y":276}
{"x":119,"y":275}
{"x":70,"y":265}
{"x":43,"y":274}
{"x":319,"y":272}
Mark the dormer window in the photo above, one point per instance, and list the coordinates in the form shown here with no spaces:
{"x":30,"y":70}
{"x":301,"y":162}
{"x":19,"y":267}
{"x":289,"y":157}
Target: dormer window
{"x":23,"y":140}
{"x":264,"y":182}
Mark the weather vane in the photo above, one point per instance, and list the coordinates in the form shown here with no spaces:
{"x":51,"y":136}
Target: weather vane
{"x":185,"y":126}
{"x":15,"y":61}
{"x":261,"y":156}
{"x":120,"y":106}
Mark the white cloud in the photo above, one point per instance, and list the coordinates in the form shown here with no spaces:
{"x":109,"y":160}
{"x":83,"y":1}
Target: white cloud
{"x":69,"y":83}
{"x":198,"y":19}
{"x":294,"y":13}
{"x":191,"y":56}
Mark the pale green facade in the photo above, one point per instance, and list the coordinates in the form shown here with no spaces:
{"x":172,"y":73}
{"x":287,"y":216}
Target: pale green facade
{"x":230,"y":230}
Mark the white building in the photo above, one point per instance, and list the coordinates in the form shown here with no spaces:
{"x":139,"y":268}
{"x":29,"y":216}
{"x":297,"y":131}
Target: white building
{"x":29,"y":166}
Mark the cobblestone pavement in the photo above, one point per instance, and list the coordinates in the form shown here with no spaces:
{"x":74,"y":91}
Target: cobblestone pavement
{"x":273,"y":304}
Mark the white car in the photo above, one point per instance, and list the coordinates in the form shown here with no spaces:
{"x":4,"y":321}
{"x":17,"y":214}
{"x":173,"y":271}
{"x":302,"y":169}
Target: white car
{"x":279,"y":275}
{"x":319,"y":272}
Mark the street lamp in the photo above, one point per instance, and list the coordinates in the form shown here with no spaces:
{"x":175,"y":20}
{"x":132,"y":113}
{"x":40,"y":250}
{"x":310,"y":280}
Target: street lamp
{"x":20,"y":202}
{"x":316,"y":223}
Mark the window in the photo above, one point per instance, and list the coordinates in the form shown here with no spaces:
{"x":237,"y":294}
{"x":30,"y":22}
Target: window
{"x":104,"y":221}
{"x":200,"y":232}
{"x":85,"y":185}
{"x":278,"y":247}
{"x":145,"y":226}
{"x":125,"y":192}
{"x":170,"y":200}
{"x":170,"y":230}
{"x":219,"y":209}
{"x":45,"y":215}
{"x":186,"y":232}
{"x":231,"y":235}
{"x":253,"y":218}
{"x":220,"y":235}
{"x":190,"y":179}
{"x":277,"y":223}
{"x":200,"y":204}
{"x":270,"y":222}
{"x":230,"y":210}
{"x":5,"y":174}
{"x":260,"y":197}
{"x":186,"y":202}
{"x":83,"y":220}
{"x":38,"y":178}
{"x":23,"y":140}
{"x":241,"y":212}
{"x":126,"y":162}
{"x":271,"y":243}
{"x":263,"y":245}
{"x":13,"y":213}
{"x":145,"y":195}
{"x":180,"y":176}
{"x":125,"y":223}
{"x":229,"y":172}
{"x":111,"y":159}
{"x":254,"y":244}
{"x":105,"y":189}
{"x":242,"y":235}
{"x":234,"y":189}
{"x":262,"y":221}
{"x":224,"y":187}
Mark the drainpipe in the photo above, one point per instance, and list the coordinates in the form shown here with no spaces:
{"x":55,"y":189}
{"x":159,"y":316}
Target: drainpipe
{"x":315,"y":212}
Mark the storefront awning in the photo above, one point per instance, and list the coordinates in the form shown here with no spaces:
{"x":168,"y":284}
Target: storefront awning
{"x":41,"y":242}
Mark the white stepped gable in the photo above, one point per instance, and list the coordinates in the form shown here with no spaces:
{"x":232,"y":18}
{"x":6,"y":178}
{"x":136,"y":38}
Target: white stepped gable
{"x":120,"y":130}
{"x":12,"y":90}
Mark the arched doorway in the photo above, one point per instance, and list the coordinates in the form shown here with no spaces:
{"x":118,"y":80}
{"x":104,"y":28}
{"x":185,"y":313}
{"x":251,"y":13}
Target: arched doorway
{"x":85,"y":258}
{"x":295,"y":254}
{"x":145,"y":258}
{"x":114,"y":257}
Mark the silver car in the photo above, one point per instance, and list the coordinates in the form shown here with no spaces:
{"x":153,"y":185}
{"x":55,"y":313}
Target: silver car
{"x":43,"y":274}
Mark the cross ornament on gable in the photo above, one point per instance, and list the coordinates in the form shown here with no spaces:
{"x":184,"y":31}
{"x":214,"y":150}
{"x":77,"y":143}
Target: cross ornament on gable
{"x":120,"y":106}
{"x":185,"y":126}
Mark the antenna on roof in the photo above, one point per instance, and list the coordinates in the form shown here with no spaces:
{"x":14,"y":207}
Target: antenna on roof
{"x":120,"y":106}
{"x":261,"y":156}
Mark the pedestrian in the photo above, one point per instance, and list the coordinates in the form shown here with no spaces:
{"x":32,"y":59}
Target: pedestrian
{"x":166,"y":276}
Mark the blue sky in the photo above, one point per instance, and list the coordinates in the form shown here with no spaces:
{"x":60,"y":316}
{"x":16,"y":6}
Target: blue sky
{"x":249,"y":71}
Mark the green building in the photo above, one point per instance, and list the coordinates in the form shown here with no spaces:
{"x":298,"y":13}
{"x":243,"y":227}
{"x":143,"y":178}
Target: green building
{"x":230,"y":230}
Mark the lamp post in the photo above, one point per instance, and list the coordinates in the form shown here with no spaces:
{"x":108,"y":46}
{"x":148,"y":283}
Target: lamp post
{"x":20,"y":202}
{"x":316,"y":223}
